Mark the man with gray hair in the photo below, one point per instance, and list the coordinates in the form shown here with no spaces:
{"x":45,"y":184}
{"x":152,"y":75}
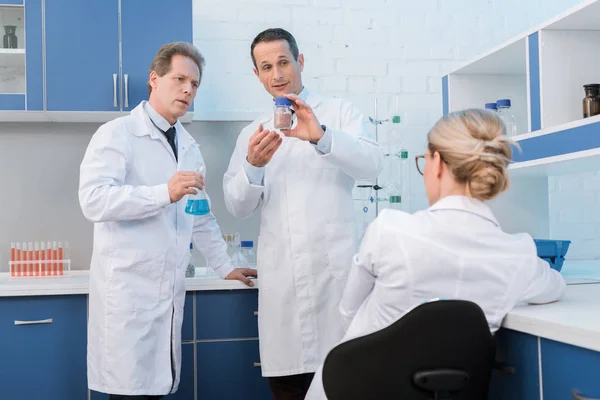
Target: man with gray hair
{"x":134,"y":180}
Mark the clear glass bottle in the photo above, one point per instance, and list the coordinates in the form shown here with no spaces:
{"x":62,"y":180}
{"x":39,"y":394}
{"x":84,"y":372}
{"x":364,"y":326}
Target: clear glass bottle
{"x":491,"y":106}
{"x":248,"y":253}
{"x":507,"y":116}
{"x":190,"y":271}
{"x":237,"y":258}
{"x":282,"y":114}
{"x":591,"y":101}
{"x":198,"y":204}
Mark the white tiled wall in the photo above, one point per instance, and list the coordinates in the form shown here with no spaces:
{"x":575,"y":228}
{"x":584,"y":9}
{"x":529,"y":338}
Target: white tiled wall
{"x":575,"y":213}
{"x":367,"y":49}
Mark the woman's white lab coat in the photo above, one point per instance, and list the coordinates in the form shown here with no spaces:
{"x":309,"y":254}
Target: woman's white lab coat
{"x":141,"y":251}
{"x":307,"y":232}
{"x":453,"y":250}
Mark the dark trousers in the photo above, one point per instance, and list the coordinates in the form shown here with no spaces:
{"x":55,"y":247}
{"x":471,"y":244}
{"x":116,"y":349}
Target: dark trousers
{"x":293,"y":387}
{"x":121,"y":397}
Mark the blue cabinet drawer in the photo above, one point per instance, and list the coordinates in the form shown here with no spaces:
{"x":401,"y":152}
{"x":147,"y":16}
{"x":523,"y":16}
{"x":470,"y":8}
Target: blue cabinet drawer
{"x":566,"y":368}
{"x":230,"y":370}
{"x":187,"y":330}
{"x":226,"y":314}
{"x":520,"y":351}
{"x":186,"y":383}
{"x":43,"y":341}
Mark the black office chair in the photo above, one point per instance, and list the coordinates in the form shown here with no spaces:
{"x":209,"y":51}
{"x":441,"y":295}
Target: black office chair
{"x":439,"y":350}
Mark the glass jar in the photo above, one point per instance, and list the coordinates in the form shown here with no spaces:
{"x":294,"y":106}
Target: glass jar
{"x":591,"y":101}
{"x":282,"y":115}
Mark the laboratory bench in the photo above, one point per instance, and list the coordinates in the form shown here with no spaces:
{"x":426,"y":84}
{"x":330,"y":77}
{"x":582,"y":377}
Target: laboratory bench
{"x":551,"y":348}
{"x":43,"y":325}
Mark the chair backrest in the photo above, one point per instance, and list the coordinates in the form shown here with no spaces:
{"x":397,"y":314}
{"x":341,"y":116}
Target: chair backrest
{"x":444,"y":334}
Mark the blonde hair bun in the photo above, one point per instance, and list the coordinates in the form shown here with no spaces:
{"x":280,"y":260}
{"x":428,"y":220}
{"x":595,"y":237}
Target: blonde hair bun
{"x":473,"y":143}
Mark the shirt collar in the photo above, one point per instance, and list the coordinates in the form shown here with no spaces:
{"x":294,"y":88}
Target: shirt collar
{"x":158,"y":120}
{"x":466,"y":204}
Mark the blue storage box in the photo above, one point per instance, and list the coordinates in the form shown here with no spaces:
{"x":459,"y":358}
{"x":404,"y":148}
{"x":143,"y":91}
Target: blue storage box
{"x":552,"y":251}
{"x":551,"y":248}
{"x":555,"y":263}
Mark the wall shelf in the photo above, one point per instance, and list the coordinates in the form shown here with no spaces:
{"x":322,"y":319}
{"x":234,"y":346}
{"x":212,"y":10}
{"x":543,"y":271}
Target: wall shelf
{"x":542,"y":71}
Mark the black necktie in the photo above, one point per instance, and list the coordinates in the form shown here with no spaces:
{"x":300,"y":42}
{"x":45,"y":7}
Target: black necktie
{"x":170,"y":134}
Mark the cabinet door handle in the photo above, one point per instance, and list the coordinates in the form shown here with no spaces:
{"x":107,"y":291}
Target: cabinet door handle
{"x":40,"y":321}
{"x":257,"y":364}
{"x":256,"y":313}
{"x":578,"y":396}
{"x":114,"y":90}
{"x":126,"y":77}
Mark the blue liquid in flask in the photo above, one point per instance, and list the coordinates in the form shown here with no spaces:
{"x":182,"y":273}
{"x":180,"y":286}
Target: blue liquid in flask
{"x":197,"y":207}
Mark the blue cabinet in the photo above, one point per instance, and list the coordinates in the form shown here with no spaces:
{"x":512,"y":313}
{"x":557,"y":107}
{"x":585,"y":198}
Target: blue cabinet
{"x":226,"y":314}
{"x":566,"y":368}
{"x":230,"y":370}
{"x":186,"y":383}
{"x":82,"y":55}
{"x":187,"y":330}
{"x":145,"y":28}
{"x":26,"y":62}
{"x":43,"y":347}
{"x":519,"y":351}
{"x":98,"y":55}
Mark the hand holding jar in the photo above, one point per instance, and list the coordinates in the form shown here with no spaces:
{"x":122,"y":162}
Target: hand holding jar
{"x":308,"y":127}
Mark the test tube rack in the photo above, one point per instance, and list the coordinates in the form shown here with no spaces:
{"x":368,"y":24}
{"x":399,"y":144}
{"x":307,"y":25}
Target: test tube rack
{"x":39,"y":260}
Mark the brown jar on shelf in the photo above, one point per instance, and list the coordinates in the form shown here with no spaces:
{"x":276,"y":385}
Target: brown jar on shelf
{"x":591,"y":101}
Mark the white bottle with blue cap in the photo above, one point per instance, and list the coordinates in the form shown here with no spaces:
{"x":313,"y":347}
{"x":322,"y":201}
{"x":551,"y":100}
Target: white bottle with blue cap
{"x":491,"y":106}
{"x":282,"y":115}
{"x":248,"y":253}
{"x":507,"y":116}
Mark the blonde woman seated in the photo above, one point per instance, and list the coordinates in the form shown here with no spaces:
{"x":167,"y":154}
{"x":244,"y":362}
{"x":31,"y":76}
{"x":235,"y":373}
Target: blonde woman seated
{"x":455,"y":249}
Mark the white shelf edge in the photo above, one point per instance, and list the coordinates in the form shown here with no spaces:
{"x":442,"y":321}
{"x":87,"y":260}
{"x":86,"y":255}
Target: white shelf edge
{"x":12,"y":51}
{"x":523,"y":35}
{"x":558,"y":128}
{"x":539,"y":167}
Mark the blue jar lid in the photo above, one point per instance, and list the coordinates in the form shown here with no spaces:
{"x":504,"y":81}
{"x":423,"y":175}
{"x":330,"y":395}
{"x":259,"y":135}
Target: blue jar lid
{"x":503,"y":103}
{"x":191,"y":245}
{"x":282,"y":101}
{"x":247,"y":243}
{"x":491,"y":106}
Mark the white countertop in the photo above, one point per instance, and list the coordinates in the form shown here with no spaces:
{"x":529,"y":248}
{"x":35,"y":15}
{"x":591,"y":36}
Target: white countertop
{"x":77,"y":282}
{"x":574,"y":320}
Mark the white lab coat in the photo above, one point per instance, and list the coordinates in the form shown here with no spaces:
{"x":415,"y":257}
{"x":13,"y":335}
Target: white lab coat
{"x":453,"y":250}
{"x":140,"y":253}
{"x":307,"y":232}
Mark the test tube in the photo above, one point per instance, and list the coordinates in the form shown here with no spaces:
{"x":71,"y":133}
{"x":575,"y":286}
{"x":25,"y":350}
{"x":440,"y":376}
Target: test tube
{"x":60,"y":257}
{"x":36,"y":257}
{"x":49,"y":258}
{"x":18,"y":258}
{"x":30,"y":258}
{"x":67,"y":256}
{"x":12,"y":259}
{"x":54,"y":258}
{"x":25,"y":255}
{"x":43,"y":258}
